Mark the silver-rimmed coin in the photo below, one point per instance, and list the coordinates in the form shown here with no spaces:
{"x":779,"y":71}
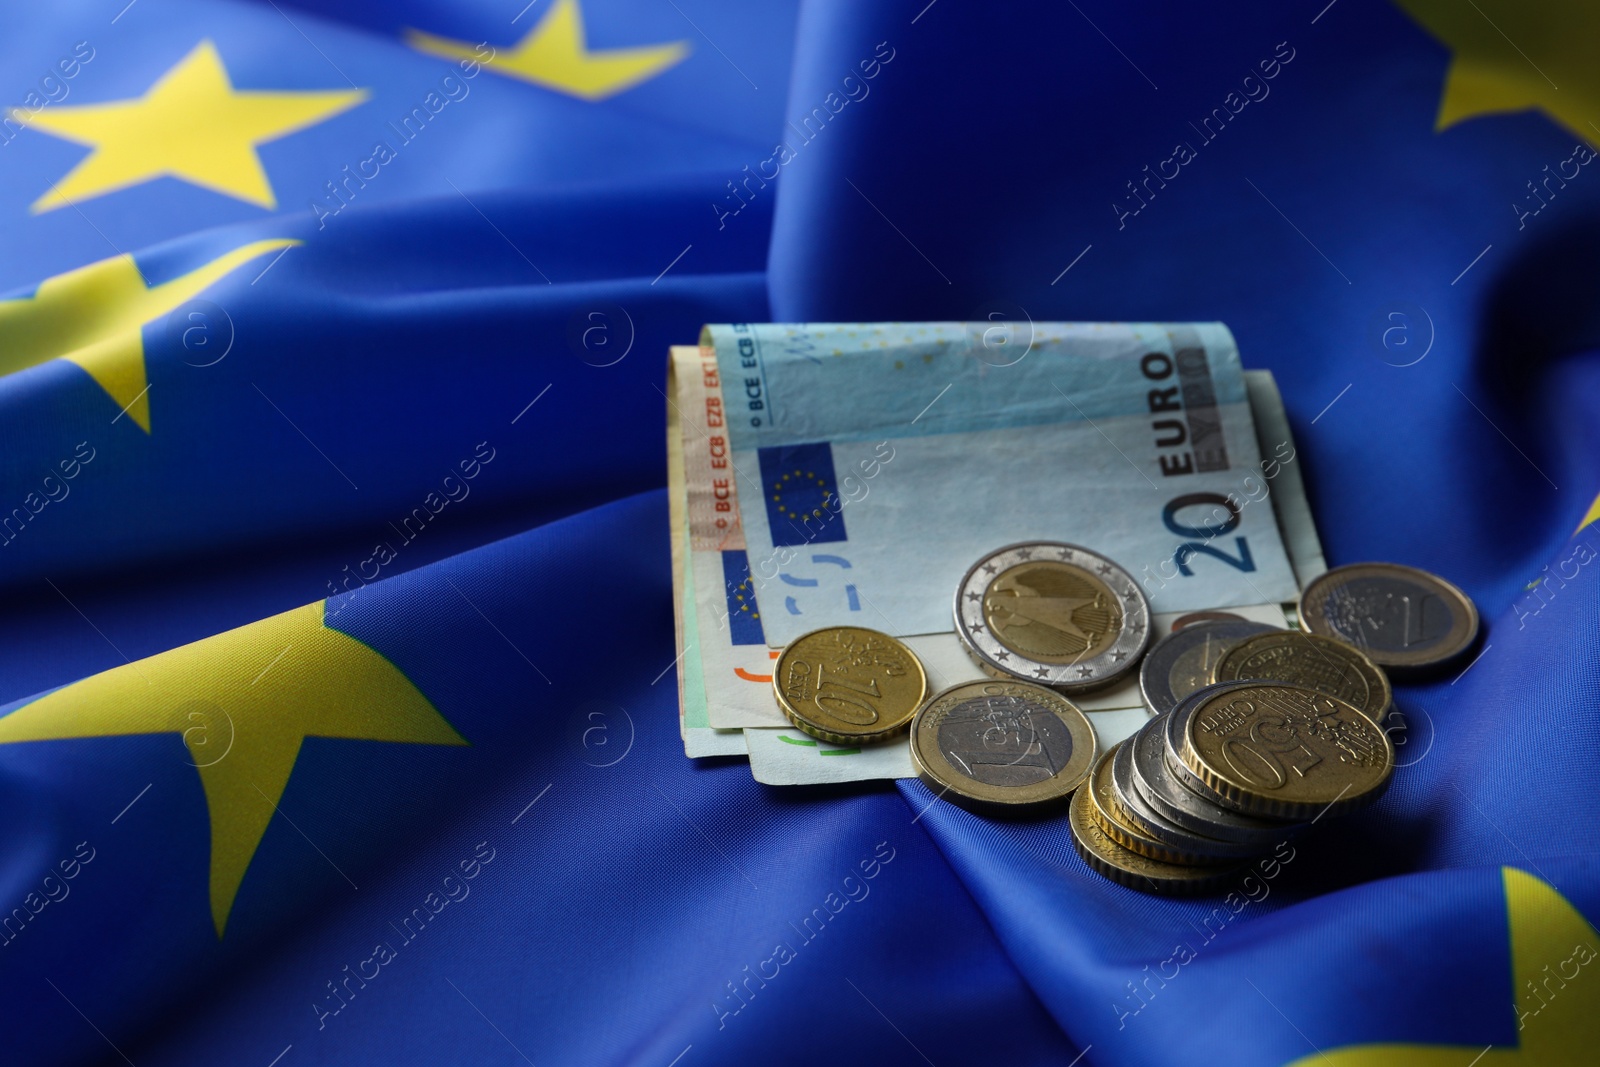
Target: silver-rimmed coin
{"x":1406,"y":620}
{"x":1002,"y":746}
{"x":1183,"y":661}
{"x":1155,"y":782}
{"x":1052,"y":614}
{"x":1187,"y":846}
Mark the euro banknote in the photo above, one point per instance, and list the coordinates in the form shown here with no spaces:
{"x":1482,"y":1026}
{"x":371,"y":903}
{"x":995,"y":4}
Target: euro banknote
{"x":694,"y":726}
{"x":874,"y":463}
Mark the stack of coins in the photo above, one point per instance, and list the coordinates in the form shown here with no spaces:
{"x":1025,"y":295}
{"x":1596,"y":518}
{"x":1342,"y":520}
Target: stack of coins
{"x":1257,"y":731}
{"x":1230,"y":771}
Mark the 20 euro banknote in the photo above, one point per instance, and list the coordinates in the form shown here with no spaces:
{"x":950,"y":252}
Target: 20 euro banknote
{"x":873,"y":464}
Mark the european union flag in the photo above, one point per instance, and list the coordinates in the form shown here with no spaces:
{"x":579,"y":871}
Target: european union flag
{"x":744,"y":619}
{"x":802,"y":494}
{"x":336,"y":643}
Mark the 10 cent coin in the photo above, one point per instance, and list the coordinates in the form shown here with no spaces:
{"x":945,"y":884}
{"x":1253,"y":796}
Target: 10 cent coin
{"x":848,"y":684}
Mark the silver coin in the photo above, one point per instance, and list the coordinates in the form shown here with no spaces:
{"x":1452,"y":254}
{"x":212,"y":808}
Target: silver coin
{"x":1187,"y":843}
{"x":1053,"y":614}
{"x":1182,"y":661}
{"x":1188,"y":809}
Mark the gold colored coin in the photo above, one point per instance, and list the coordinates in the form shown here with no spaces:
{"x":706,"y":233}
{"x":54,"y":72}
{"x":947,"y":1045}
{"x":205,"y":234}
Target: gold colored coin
{"x":1308,"y":660}
{"x":1052,"y":611}
{"x":1286,"y":752}
{"x":849,"y":685}
{"x":1125,"y":867}
{"x":1002,"y":746}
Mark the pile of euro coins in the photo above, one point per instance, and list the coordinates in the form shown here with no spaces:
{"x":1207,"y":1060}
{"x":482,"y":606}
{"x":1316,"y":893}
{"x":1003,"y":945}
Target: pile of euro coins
{"x":1255,"y":731}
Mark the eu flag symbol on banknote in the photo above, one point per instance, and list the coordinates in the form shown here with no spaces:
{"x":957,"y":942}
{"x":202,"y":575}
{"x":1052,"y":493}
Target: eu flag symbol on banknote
{"x":340,"y":654}
{"x":801,"y":494}
{"x":744,"y":618}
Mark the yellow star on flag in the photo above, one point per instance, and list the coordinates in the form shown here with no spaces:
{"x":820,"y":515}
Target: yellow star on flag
{"x":191,"y":125}
{"x":94,"y":317}
{"x":243,"y":701}
{"x":1516,"y":56}
{"x":556,"y":55}
{"x":1555,"y":955}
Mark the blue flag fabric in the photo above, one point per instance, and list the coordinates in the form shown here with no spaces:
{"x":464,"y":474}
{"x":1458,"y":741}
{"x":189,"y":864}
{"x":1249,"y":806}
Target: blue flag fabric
{"x":336,"y":702}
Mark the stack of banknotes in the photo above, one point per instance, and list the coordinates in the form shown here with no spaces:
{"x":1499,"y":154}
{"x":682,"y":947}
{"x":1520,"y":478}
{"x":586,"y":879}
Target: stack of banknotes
{"x":850,"y":474}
